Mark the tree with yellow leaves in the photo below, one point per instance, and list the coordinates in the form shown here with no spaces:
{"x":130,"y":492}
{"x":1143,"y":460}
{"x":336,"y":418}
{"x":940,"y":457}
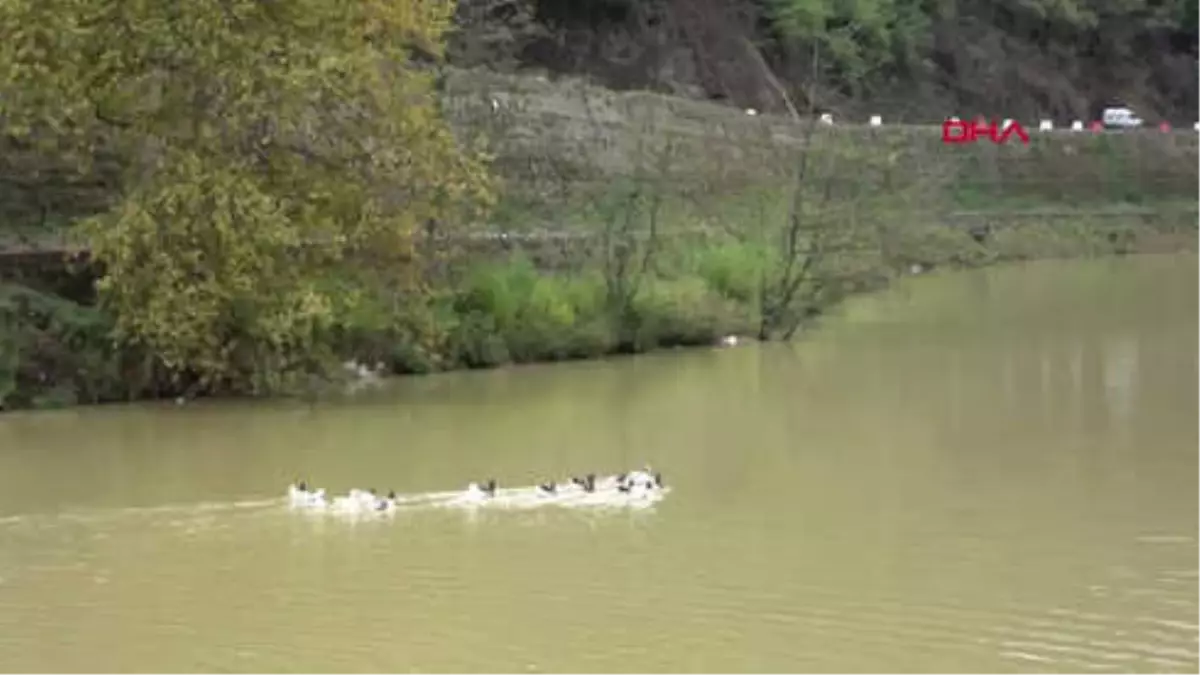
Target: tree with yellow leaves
{"x":273,"y":151}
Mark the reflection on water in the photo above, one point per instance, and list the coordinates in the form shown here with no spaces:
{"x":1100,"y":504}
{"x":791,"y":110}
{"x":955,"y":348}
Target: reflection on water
{"x":987,"y":471}
{"x":1120,"y":376}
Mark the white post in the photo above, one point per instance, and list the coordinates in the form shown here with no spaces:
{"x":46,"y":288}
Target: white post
{"x":876,"y":120}
{"x":826,"y":118}
{"x":1046,"y":125}
{"x":1076,"y":126}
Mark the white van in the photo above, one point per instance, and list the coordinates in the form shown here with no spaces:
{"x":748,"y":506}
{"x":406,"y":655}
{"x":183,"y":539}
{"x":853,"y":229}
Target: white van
{"x":1120,"y":118}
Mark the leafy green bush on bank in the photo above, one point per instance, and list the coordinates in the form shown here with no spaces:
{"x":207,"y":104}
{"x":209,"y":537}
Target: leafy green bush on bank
{"x":55,"y":352}
{"x":509,"y":312}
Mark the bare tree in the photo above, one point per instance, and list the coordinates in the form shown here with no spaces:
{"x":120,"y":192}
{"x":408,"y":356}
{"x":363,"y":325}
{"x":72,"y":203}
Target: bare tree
{"x":814,"y":250}
{"x":630,"y":211}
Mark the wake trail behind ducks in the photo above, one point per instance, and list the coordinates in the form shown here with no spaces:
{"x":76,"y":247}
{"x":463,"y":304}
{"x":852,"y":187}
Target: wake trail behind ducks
{"x":505,"y":498}
{"x":520,"y":498}
{"x":533,"y":498}
{"x":102,"y":515}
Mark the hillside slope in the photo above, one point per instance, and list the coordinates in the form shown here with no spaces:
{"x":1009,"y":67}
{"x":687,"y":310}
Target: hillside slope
{"x":913,"y":60}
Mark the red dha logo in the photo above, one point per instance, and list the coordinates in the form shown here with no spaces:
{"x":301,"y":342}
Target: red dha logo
{"x":957,"y":131}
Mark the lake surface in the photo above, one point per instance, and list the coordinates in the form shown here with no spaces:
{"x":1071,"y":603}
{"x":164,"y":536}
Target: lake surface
{"x":984,"y":471}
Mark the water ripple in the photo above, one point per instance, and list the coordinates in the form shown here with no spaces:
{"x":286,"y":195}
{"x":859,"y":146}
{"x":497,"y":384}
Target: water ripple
{"x":385,"y":575}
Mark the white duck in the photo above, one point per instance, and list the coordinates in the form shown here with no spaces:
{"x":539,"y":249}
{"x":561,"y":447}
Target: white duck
{"x":386,"y":504}
{"x":636,"y":490}
{"x":645,"y":475}
{"x":477,"y":492}
{"x":584,"y":484}
{"x":300,"y":495}
{"x":641,"y":482}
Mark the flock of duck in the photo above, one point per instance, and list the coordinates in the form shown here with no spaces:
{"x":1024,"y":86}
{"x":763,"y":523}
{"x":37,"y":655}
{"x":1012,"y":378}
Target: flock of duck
{"x":634,"y":486}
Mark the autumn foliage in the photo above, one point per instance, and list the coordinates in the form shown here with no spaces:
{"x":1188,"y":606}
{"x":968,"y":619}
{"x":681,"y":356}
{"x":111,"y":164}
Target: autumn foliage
{"x":267,"y":147}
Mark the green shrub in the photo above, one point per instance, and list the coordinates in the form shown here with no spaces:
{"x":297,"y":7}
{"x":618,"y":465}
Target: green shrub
{"x":682,"y":312}
{"x":511,"y":312}
{"x":736,"y":270}
{"x":55,"y":352}
{"x":477,"y":343}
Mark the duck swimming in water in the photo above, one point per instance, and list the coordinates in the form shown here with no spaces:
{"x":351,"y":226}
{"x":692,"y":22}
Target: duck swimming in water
{"x":298,"y":491}
{"x":641,"y":482}
{"x":300,"y":495}
{"x":587,"y":483}
{"x":482,"y":491}
{"x":388,"y":503}
{"x":646,"y":476}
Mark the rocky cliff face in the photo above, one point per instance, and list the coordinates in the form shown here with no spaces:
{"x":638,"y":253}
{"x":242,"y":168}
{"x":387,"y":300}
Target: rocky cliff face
{"x":913,"y":61}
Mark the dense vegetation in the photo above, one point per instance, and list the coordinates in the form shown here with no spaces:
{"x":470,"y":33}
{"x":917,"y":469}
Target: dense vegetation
{"x":275,"y":160}
{"x":915,"y":60}
{"x":269,"y":189}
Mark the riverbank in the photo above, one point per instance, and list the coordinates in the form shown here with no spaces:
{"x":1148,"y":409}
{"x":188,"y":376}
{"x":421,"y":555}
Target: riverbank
{"x":518,"y":306}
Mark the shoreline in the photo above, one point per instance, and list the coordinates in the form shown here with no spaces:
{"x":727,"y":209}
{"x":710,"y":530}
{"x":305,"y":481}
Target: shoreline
{"x":347,"y":384}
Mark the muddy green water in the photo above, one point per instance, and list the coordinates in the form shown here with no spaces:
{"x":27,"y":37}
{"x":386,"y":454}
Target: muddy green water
{"x":990,"y":471}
